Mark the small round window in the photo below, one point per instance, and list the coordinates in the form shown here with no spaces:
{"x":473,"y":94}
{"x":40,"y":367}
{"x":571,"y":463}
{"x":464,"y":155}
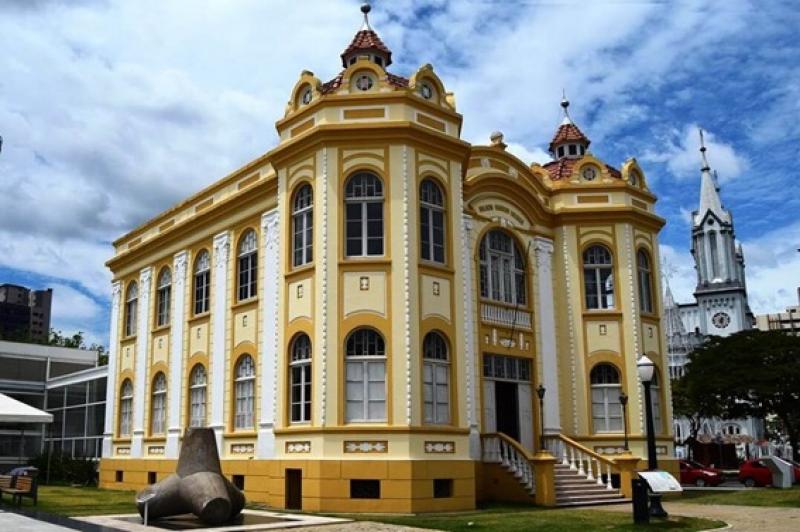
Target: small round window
{"x":426,"y":91}
{"x":364,"y":82}
{"x":307,"y":95}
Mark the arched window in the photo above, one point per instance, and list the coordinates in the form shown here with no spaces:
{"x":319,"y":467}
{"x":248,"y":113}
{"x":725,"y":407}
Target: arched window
{"x":303,"y":226}
{"x":431,"y":222}
{"x":655,"y":402}
{"x":131,"y":308}
{"x":202,"y":282}
{"x":197,"y":396}
{"x":245,"y":393}
{"x":645,"y":276}
{"x":606,"y":408}
{"x":435,"y":379}
{"x":300,"y":385}
{"x":598,"y":278}
{"x":125,"y":408}
{"x":363,"y":197}
{"x":163,"y":297}
{"x":158,"y":404}
{"x":502,"y":269}
{"x":365,"y":376}
{"x":248,"y":265}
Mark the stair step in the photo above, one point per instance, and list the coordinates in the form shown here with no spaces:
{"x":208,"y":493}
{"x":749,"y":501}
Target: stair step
{"x":587,"y":497}
{"x":584,"y":489}
{"x":593,"y":503}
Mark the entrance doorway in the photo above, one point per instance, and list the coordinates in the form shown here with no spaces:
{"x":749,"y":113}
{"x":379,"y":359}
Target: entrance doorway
{"x":507,"y":401}
{"x":294,"y":489}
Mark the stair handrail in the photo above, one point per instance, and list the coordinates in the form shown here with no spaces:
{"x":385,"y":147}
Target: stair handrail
{"x":499,"y":448}
{"x":583,"y":460}
{"x":511,"y":441}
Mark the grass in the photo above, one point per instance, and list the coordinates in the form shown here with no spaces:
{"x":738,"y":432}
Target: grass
{"x":72,"y":502}
{"x":512,"y":518}
{"x":786,"y":498}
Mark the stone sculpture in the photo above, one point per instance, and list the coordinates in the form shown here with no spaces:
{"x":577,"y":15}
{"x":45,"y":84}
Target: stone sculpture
{"x":197,"y":487}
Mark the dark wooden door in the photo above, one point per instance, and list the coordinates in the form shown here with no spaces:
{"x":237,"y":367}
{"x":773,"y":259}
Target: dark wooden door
{"x":294,"y":489}
{"x":507,"y":407}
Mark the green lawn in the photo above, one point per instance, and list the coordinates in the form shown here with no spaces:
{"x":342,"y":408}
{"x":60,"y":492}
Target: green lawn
{"x":64,"y":500}
{"x":508,"y":518}
{"x":789,"y":498}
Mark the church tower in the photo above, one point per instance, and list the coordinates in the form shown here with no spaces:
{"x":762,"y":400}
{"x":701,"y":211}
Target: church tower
{"x":721,"y":292}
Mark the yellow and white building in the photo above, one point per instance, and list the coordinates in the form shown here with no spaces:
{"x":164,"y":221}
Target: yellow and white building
{"x":361,"y":310}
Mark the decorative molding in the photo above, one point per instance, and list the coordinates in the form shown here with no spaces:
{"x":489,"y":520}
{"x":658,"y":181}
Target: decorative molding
{"x":123,"y":451}
{"x":363,"y":447}
{"x":219,"y":337}
{"x":571,"y":329}
{"x":634,"y":318}
{"x":222,"y":248}
{"x":243,"y":448}
{"x":406,"y":285}
{"x":155,"y":450}
{"x":116,"y":292}
{"x":471,"y":367}
{"x":298,"y":447}
{"x":609,"y":449}
{"x":113,"y":356}
{"x":180,"y":265}
{"x":178,"y":295}
{"x":323,"y":344}
{"x":140,"y":387}
{"x":440,"y":447}
{"x":270,"y":265}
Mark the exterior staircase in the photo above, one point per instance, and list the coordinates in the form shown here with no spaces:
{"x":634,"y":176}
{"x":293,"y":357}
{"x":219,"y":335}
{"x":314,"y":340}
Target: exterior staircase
{"x":577,"y":489}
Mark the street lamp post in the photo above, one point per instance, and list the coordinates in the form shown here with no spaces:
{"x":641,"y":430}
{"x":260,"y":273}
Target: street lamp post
{"x":540,"y":392}
{"x":646,"y":369}
{"x":623,"y":400}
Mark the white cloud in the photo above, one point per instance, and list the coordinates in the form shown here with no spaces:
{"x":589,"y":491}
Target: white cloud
{"x":677,"y":268}
{"x":72,"y":305}
{"x":536,"y":155}
{"x":681,"y":153}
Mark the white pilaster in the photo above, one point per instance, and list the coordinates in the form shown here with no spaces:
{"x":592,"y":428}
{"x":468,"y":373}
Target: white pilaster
{"x":270,"y":228}
{"x":219,"y":298}
{"x":546,"y":311}
{"x":178,"y":323}
{"x":113,"y":353}
{"x":142,"y":348}
{"x":472,"y":370}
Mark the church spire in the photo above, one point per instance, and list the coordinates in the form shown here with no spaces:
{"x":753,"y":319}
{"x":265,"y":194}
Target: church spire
{"x":709,"y":192}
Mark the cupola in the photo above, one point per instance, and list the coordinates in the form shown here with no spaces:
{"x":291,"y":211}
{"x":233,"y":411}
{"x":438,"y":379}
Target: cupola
{"x":569,"y":142}
{"x":366,"y":43}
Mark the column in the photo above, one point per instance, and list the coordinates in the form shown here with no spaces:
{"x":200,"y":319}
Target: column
{"x":219,"y":315}
{"x":471,"y":369}
{"x":140,"y":388}
{"x":270,"y":229}
{"x":543,"y":248}
{"x":175,"y":390}
{"x":111,"y":384}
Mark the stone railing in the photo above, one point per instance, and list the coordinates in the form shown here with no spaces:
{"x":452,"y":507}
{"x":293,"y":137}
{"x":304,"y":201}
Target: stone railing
{"x":507,"y":317}
{"x":582,"y":459}
{"x":497,"y":448}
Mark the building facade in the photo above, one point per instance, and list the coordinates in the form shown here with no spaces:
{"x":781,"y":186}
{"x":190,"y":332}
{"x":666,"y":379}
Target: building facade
{"x":358,"y":312}
{"x":25,"y":313}
{"x":788,"y":321}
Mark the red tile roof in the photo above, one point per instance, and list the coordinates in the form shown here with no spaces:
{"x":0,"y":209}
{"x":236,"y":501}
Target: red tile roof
{"x":562,"y":169}
{"x":568,"y":132}
{"x":367,"y":40}
{"x":334,"y":84}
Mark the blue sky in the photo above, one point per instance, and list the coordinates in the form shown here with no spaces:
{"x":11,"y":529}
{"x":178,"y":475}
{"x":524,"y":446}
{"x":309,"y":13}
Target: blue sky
{"x":112,"y":111}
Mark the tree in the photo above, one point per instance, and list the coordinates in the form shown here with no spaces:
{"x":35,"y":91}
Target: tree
{"x":76,"y":341}
{"x":751,"y":373}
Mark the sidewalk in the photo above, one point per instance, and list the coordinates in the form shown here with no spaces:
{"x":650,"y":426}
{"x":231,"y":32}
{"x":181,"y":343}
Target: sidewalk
{"x":21,"y":523}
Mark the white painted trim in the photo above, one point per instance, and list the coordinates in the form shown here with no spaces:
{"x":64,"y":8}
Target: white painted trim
{"x":113,"y":354}
{"x":222,"y":245}
{"x":543,"y":247}
{"x":270,"y":229}
{"x":142,"y":354}
{"x":178,"y":324}
{"x":471,"y":369}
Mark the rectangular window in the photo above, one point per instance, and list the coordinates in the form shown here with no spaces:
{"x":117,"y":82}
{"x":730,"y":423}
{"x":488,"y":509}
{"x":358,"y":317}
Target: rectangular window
{"x":436,"y":392}
{"x":151,"y":477}
{"x":301,"y":393}
{"x":366,"y":391}
{"x":425,"y":233}
{"x":442,"y":488}
{"x":354,"y":229}
{"x":201,"y":286}
{"x":365,"y":489}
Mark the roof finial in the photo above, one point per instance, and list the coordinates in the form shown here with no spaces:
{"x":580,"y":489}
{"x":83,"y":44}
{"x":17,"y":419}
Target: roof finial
{"x":366,"y":8}
{"x":705,"y":167}
{"x":565,"y":105}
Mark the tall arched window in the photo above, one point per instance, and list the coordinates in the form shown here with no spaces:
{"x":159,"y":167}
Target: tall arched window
{"x":502,"y":269}
{"x":300,"y":374}
{"x":197,"y":396}
{"x":363,"y":197}
{"x":598,"y":278}
{"x":125,"y":408}
{"x":163,"y":297}
{"x":158,"y":404}
{"x":606,"y":408}
{"x":303,"y":226}
{"x":655,"y":401}
{"x":645,"y":276}
{"x":365,"y":375}
{"x":202,"y":282}
{"x":131,"y":308}
{"x":245,"y":393}
{"x":435,"y":379}
{"x":431,"y":220}
{"x":248,"y":265}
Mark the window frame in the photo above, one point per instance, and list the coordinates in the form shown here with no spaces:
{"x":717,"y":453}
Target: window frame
{"x":158,"y":405}
{"x":201,"y":283}
{"x":300,"y":366}
{"x":164,"y":297}
{"x":512,"y":271}
{"x":365,"y":362}
{"x":194,"y":391}
{"x":303,"y":215}
{"x":644,"y":277}
{"x":247,"y":266}
{"x":428,"y":222}
{"x":244,"y":383}
{"x":364,"y":202}
{"x":131,"y":309}
{"x":430,"y":365}
{"x":610,"y":398}
{"x":594,"y":272}
{"x":125,"y":422}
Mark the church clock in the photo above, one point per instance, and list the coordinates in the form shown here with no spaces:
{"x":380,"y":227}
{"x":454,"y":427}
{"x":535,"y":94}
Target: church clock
{"x":721,"y":320}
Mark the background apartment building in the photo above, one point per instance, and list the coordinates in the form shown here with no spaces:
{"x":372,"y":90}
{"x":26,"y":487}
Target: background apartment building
{"x":24,"y":313}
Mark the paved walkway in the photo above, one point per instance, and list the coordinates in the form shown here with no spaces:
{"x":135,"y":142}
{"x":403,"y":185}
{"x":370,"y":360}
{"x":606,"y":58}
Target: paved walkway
{"x":20,"y":523}
{"x":740,"y":518}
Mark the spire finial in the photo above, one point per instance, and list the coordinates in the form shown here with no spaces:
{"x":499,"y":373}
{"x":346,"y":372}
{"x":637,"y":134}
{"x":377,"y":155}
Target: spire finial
{"x":366,"y":8}
{"x":565,"y":105}
{"x":705,"y":167}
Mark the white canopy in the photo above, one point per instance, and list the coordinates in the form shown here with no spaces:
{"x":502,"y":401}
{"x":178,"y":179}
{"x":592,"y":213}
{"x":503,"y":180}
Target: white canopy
{"x":13,"y":411}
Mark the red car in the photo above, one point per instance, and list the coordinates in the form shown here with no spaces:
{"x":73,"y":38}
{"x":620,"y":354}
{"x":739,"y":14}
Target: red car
{"x":755,"y":473}
{"x":699,"y":475}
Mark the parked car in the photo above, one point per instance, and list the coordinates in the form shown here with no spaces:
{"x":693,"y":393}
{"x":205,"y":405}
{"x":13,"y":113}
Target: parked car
{"x":699,"y":475}
{"x":755,"y":473}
